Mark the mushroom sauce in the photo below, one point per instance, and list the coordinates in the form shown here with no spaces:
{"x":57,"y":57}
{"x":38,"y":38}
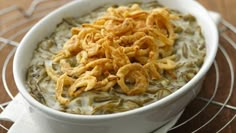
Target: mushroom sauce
{"x":189,"y":51}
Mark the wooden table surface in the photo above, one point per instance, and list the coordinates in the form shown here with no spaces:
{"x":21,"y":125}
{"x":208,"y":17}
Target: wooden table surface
{"x":13,"y":26}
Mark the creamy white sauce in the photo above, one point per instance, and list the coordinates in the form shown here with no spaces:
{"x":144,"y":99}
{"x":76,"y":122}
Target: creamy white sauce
{"x":43,"y":88}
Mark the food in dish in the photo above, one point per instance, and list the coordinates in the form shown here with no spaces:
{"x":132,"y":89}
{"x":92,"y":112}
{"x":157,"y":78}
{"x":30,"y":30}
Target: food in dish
{"x":116,"y":59}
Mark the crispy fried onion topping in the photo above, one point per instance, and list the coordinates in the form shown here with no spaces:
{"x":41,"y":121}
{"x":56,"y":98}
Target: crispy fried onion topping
{"x":127,"y":46}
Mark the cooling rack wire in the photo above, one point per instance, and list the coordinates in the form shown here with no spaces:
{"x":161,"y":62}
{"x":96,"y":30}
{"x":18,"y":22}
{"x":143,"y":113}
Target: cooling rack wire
{"x":214,"y":109}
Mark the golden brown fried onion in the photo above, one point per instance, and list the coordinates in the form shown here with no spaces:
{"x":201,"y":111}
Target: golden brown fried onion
{"x":127,"y":46}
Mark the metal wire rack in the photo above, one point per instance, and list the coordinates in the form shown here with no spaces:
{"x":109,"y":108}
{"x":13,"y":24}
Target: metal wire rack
{"x":216,"y":96}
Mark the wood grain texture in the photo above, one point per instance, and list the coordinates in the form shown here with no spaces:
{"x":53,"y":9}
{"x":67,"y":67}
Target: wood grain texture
{"x":225,"y":7}
{"x":227,"y":10}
